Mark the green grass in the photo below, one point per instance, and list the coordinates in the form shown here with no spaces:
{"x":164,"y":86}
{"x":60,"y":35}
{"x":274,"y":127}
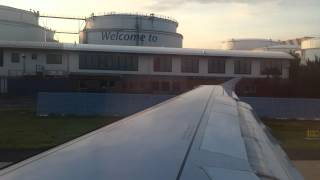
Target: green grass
{"x":292,"y":133}
{"x":22,"y":129}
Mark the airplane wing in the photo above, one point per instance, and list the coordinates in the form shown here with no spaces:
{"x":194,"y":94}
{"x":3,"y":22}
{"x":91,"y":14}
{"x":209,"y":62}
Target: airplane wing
{"x":204,"y":134}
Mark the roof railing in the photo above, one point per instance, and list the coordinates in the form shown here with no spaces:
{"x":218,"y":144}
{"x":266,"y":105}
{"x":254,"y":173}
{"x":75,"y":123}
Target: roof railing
{"x":44,"y":15}
{"x":136,"y":14}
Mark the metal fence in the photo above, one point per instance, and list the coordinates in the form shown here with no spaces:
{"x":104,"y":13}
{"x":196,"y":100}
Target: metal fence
{"x":87,"y":104}
{"x":296,"y":108}
{"x":30,"y":87}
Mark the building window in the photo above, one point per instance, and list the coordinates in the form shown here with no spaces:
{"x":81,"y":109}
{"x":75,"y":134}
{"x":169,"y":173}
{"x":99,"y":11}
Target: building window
{"x":189,"y":64}
{"x":242,"y":67}
{"x":116,"y":62}
{"x":216,"y":65}
{"x":15,"y":57}
{"x":54,"y":59}
{"x":271,"y":67}
{"x":1,"y":57}
{"x":34,"y":56}
{"x":162,"y":64}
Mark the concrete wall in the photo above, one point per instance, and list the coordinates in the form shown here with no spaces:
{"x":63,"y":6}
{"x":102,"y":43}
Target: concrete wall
{"x":296,"y":108}
{"x":95,"y":104}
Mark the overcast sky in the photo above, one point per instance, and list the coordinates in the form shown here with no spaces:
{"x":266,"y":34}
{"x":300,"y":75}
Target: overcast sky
{"x":203,"y":23}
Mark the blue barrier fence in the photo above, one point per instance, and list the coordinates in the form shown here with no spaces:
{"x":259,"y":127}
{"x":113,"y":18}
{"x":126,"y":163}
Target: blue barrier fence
{"x":297,"y":108}
{"x":87,"y":104}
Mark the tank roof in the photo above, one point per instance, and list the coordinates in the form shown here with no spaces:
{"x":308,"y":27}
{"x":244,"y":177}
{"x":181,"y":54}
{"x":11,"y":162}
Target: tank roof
{"x":2,"y":7}
{"x":151,"y":15}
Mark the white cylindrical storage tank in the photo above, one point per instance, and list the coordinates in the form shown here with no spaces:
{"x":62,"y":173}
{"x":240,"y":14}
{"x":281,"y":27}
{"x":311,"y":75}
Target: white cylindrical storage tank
{"x":131,"y":30}
{"x":282,"y":48}
{"x":310,"y":49}
{"x":248,"y":44}
{"x":21,"y":25}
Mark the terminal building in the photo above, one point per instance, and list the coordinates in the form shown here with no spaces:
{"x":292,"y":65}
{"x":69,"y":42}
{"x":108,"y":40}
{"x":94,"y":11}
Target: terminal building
{"x":135,"y":69}
{"x":125,"y":53}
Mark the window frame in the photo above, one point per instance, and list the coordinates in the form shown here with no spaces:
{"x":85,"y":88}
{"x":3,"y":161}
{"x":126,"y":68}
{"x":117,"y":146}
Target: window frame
{"x":59,"y":61}
{"x":216,"y":65}
{"x":109,"y":61}
{"x":238,"y":67}
{"x":34,"y":56}
{"x":264,"y":66}
{"x":189,"y":64}
{"x":160,"y":66}
{"x":1,"y":57}
{"x":15,"y":57}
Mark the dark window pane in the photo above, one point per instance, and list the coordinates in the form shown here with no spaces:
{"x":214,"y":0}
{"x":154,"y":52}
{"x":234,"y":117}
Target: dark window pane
{"x":15,"y":57}
{"x":54,"y":59}
{"x":189,"y":64}
{"x":1,"y":57}
{"x":271,"y":67}
{"x":242,"y":67}
{"x":162,"y":64}
{"x":116,"y":62}
{"x":122,"y":62}
{"x":34,"y":56}
{"x":216,"y":65}
{"x":156,"y":64}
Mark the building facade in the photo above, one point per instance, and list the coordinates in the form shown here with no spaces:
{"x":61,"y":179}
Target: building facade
{"x":135,"y":69}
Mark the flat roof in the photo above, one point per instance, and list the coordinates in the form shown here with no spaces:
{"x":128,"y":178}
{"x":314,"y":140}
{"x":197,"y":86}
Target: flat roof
{"x":144,"y":50}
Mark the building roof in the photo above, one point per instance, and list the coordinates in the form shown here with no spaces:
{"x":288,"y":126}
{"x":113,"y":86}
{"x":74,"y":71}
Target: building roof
{"x":143,"y":50}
